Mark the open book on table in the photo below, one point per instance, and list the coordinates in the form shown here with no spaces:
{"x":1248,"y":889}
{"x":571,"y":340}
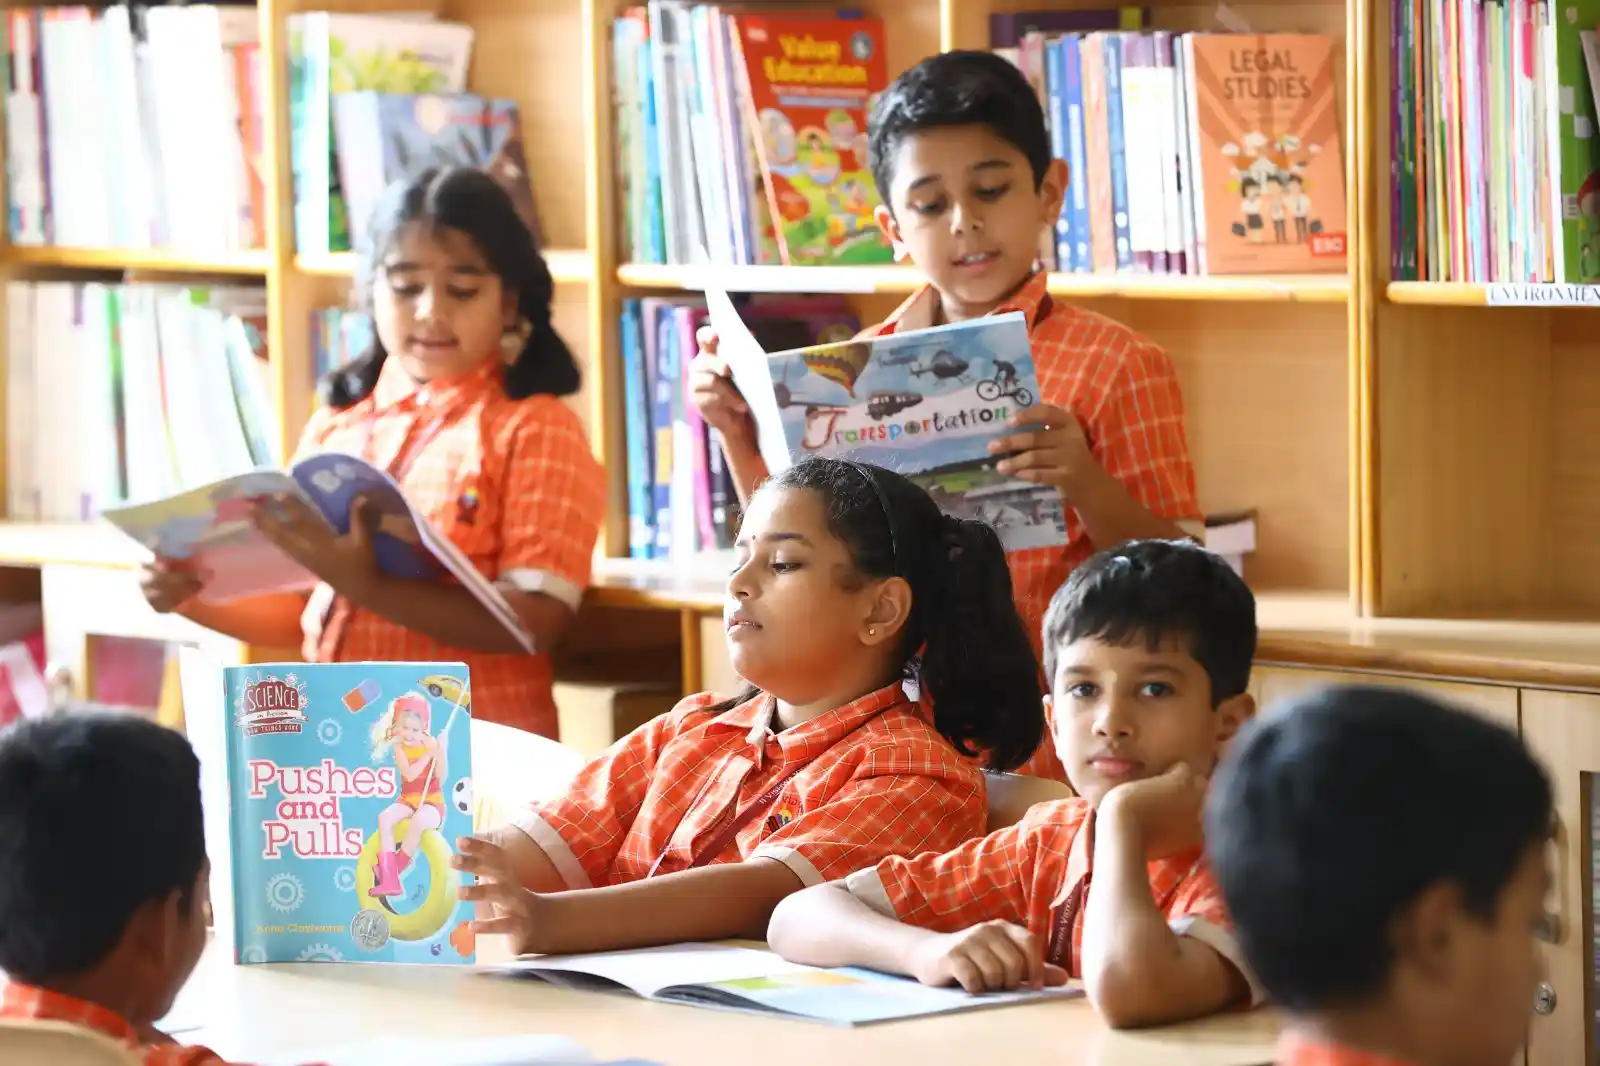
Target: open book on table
{"x":924,"y":403}
{"x":756,"y":981}
{"x":210,"y":528}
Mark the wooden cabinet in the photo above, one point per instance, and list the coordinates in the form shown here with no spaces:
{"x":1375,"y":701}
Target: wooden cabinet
{"x":1563,"y":730}
{"x":1273,"y":683}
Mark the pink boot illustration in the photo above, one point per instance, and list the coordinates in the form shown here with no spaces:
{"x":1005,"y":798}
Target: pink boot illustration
{"x":388,"y":883}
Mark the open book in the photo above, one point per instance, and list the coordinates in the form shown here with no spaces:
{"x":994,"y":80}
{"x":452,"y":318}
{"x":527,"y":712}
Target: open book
{"x":924,"y":403}
{"x":754,"y":980}
{"x":210,"y":528}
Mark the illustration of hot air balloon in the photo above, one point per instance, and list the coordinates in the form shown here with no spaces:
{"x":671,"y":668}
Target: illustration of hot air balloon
{"x":840,"y":363}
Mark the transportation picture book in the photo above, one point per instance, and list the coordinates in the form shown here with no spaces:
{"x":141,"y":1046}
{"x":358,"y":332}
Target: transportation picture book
{"x":924,"y":403}
{"x":210,"y":528}
{"x":754,"y":980}
{"x":334,"y":793}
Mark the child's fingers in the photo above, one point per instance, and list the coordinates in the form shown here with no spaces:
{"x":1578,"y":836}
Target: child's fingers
{"x":501,"y":924}
{"x":1054,"y":975}
{"x":706,"y":338}
{"x":1027,"y":946}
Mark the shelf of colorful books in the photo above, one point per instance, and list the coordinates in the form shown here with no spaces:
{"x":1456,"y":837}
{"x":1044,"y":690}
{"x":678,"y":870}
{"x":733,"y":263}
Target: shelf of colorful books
{"x":1473,"y":294}
{"x":1303,"y":288}
{"x":567,"y":265}
{"x":148,"y":260}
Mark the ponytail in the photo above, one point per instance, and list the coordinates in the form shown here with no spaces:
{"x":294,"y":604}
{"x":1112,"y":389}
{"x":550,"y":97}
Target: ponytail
{"x":978,"y":666}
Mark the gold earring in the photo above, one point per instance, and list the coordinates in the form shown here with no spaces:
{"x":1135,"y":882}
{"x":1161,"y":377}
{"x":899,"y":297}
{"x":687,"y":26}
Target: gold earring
{"x":514,"y":339}
{"x":872,"y":631}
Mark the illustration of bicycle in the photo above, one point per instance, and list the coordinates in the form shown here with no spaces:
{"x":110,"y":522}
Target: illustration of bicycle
{"x":1004,"y":383}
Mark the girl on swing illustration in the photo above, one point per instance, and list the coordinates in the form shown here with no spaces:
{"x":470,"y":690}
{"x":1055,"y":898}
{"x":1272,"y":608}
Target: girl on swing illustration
{"x":420,"y":760}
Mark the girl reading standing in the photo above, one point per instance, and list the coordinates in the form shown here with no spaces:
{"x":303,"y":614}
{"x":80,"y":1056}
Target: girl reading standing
{"x":459,"y":399}
{"x":695,"y":825}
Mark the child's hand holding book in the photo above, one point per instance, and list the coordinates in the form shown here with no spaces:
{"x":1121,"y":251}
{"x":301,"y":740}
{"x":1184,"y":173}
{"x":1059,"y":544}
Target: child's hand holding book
{"x":168,"y":584}
{"x":1047,"y":446}
{"x":715,"y":395}
{"x":989,"y":957}
{"x":345,"y":563}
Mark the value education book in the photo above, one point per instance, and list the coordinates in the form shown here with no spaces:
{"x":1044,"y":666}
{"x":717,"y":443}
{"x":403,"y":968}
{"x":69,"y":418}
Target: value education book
{"x":211,"y":529}
{"x":333,"y":795}
{"x":754,"y":980}
{"x":924,"y":403}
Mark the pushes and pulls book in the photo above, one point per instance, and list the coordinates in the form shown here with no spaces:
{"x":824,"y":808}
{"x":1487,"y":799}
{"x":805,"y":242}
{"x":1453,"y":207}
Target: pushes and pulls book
{"x":924,"y":403}
{"x":334,"y":794}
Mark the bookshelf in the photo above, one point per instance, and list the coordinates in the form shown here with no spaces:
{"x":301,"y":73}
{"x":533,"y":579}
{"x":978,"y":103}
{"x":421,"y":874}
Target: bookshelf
{"x":1368,"y":422}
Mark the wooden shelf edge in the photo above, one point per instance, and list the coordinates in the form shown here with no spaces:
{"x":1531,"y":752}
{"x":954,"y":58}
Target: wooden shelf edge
{"x":67,"y":544}
{"x":154,"y":260}
{"x":1313,"y":288}
{"x":567,"y":265}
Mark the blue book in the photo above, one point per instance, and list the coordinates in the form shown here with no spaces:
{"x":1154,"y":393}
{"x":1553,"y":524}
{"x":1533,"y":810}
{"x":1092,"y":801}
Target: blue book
{"x":339,"y":790}
{"x":924,"y":403}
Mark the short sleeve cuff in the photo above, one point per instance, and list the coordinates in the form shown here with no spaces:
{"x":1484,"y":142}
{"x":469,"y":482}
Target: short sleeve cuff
{"x":1223,"y":943}
{"x":544,"y":583}
{"x":559,"y":852}
{"x":867,"y":887}
{"x":797,"y":863}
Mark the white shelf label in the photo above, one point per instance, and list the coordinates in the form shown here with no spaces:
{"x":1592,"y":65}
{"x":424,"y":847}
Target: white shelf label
{"x":1543,"y":295}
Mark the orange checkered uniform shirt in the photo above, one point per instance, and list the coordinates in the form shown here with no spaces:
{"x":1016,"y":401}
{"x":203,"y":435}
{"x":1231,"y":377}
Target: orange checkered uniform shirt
{"x":511,"y":482}
{"x":21,"y":1001}
{"x":877,"y":780}
{"x":1124,"y":390}
{"x":1019,"y":874}
{"x":1296,"y":1050}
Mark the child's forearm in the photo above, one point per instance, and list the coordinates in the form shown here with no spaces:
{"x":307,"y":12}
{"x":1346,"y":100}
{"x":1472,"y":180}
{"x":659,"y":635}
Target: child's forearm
{"x":269,"y":621}
{"x":1133,"y":965}
{"x":447,"y":613}
{"x":1110,"y":514}
{"x":728,"y":900}
{"x":827,"y":926}
{"x":745,"y":464}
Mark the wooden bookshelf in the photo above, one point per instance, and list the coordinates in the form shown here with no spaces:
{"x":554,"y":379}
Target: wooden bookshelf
{"x":1367,"y":422}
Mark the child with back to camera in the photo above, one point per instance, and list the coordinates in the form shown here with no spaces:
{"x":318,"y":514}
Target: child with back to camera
{"x":1383,"y":856}
{"x":696,"y":824}
{"x":961,"y":157}
{"x":460,"y":400}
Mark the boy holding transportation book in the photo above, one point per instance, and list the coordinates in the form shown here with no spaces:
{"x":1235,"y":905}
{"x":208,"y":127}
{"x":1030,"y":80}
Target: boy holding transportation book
{"x":961,"y":157}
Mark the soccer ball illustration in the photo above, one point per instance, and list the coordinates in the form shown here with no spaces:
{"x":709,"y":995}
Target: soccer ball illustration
{"x":461,"y":795}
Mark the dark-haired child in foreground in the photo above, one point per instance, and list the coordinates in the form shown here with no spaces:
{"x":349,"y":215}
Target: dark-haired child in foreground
{"x":695,"y":825}
{"x":1149,"y":647}
{"x":459,"y":398}
{"x":961,"y":157}
{"x":1382,"y":855}
{"x":102,"y":914}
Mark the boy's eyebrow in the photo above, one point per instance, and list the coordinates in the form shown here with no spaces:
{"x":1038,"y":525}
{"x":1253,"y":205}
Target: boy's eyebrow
{"x":990,"y":164}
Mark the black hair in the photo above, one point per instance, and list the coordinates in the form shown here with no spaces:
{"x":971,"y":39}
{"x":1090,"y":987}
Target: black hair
{"x":960,"y":88}
{"x":1332,"y":812}
{"x":470,"y":202}
{"x":1156,"y":590}
{"x":1249,"y":185}
{"x":99,"y":814}
{"x":977,"y":666}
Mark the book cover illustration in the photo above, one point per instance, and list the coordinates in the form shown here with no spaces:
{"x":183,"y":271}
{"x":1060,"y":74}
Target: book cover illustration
{"x":348,"y":783}
{"x":384,"y":137}
{"x":924,"y":403}
{"x":809,"y":86}
{"x":1267,"y":142}
{"x":211,"y":528}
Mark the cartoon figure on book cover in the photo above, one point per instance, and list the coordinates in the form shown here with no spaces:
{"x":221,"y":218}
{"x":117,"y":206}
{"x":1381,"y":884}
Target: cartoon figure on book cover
{"x":350,"y":780}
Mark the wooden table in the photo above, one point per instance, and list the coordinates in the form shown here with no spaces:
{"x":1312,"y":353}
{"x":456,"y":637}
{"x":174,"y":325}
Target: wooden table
{"x":247,"y":1013}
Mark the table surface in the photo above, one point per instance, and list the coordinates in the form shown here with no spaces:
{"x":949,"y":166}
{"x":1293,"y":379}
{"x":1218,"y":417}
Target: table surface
{"x":250,"y":1013}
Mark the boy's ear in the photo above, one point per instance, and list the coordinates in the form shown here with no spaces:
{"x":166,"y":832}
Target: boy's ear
{"x":1232,"y":713}
{"x":889,"y":226}
{"x":1053,"y":190}
{"x":1427,"y":935}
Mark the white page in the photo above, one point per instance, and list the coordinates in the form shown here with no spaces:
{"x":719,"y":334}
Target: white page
{"x":650,"y":970}
{"x":748,"y":363}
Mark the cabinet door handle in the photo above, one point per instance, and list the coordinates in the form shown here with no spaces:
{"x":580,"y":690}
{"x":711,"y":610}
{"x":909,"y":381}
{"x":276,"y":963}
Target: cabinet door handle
{"x":1544,"y":1000}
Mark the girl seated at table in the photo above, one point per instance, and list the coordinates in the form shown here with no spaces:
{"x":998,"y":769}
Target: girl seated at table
{"x":695,"y":825}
